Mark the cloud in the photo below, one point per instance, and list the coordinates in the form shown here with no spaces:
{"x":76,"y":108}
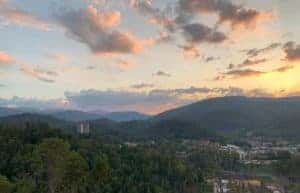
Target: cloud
{"x":255,"y":51}
{"x":236,"y":15}
{"x":249,"y":62}
{"x":154,"y":15}
{"x":211,"y":58}
{"x":292,"y":51}
{"x":153,"y":101}
{"x":173,"y":21}
{"x":16,"y":16}
{"x":33,"y":103}
{"x":284,"y":68}
{"x":59,"y":57}
{"x":112,"y":100}
{"x":142,"y":86}
{"x":230,"y":66}
{"x":123,"y":64}
{"x":163,"y":37}
{"x":5,"y":59}
{"x":192,"y":93}
{"x":162,"y":73}
{"x":38,"y":73}
{"x":243,"y":73}
{"x":94,"y":29}
{"x":190,"y":51}
{"x":183,"y":91}
{"x":197,"y":33}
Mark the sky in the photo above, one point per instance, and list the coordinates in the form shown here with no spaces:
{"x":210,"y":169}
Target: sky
{"x":145,"y":55}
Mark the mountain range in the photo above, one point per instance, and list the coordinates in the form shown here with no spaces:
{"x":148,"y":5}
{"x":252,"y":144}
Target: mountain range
{"x":226,"y":116}
{"x":76,"y":116}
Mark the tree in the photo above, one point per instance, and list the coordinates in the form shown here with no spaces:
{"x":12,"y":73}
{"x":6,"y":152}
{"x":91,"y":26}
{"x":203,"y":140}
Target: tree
{"x":100,"y":174}
{"x":5,"y":185}
{"x":75,"y":174}
{"x":52,"y":154}
{"x":25,"y":185}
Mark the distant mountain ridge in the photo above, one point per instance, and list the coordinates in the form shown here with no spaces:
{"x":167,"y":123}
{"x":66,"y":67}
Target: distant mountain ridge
{"x":224,"y":116}
{"x":126,"y":116}
{"x":76,"y":116}
{"x":8,"y":112}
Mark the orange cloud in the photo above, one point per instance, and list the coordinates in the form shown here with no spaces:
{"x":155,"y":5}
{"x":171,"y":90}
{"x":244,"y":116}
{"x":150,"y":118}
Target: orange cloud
{"x":104,"y":19}
{"x":190,"y":52}
{"x":5,"y":59}
{"x":237,"y":15}
{"x":93,"y":28}
{"x":240,"y":74}
{"x":284,"y":68}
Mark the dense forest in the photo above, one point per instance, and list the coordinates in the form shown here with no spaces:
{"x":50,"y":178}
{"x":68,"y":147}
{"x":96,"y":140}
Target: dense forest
{"x":44,"y":155}
{"x":37,"y":158}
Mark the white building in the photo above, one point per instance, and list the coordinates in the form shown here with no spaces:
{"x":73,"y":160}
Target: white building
{"x":84,"y":128}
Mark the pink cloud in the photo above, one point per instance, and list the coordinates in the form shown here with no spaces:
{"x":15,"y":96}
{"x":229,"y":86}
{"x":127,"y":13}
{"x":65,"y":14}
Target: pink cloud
{"x":190,"y":52}
{"x":104,"y":19}
{"x":96,"y":30}
{"x":5,"y":59}
{"x":17,"y":16}
{"x":38,"y":73}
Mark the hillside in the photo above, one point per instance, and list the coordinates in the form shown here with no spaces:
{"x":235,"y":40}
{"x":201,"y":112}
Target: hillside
{"x":271,"y":116}
{"x":21,"y":120}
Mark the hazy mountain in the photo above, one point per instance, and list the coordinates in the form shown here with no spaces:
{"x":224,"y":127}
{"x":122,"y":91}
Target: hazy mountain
{"x":75,"y":116}
{"x":8,"y":112}
{"x":275,"y":117}
{"x":82,"y":116}
{"x":126,"y":116}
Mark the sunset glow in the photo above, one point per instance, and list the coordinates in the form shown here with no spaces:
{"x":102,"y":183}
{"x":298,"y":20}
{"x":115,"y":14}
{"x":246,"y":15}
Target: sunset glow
{"x":145,"y":55}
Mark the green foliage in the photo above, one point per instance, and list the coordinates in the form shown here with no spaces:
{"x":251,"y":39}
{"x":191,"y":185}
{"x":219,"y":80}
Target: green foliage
{"x":25,"y":185}
{"x":289,"y":167}
{"x":5,"y":185}
{"x":46,"y":160}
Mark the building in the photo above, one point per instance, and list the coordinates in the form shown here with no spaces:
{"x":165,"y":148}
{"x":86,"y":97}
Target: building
{"x":233,"y":148}
{"x":84,"y":128}
{"x":221,"y":186}
{"x":130,"y":144}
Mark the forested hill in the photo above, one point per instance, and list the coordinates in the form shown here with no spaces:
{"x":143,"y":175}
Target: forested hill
{"x":22,"y":121}
{"x":275,"y":116}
